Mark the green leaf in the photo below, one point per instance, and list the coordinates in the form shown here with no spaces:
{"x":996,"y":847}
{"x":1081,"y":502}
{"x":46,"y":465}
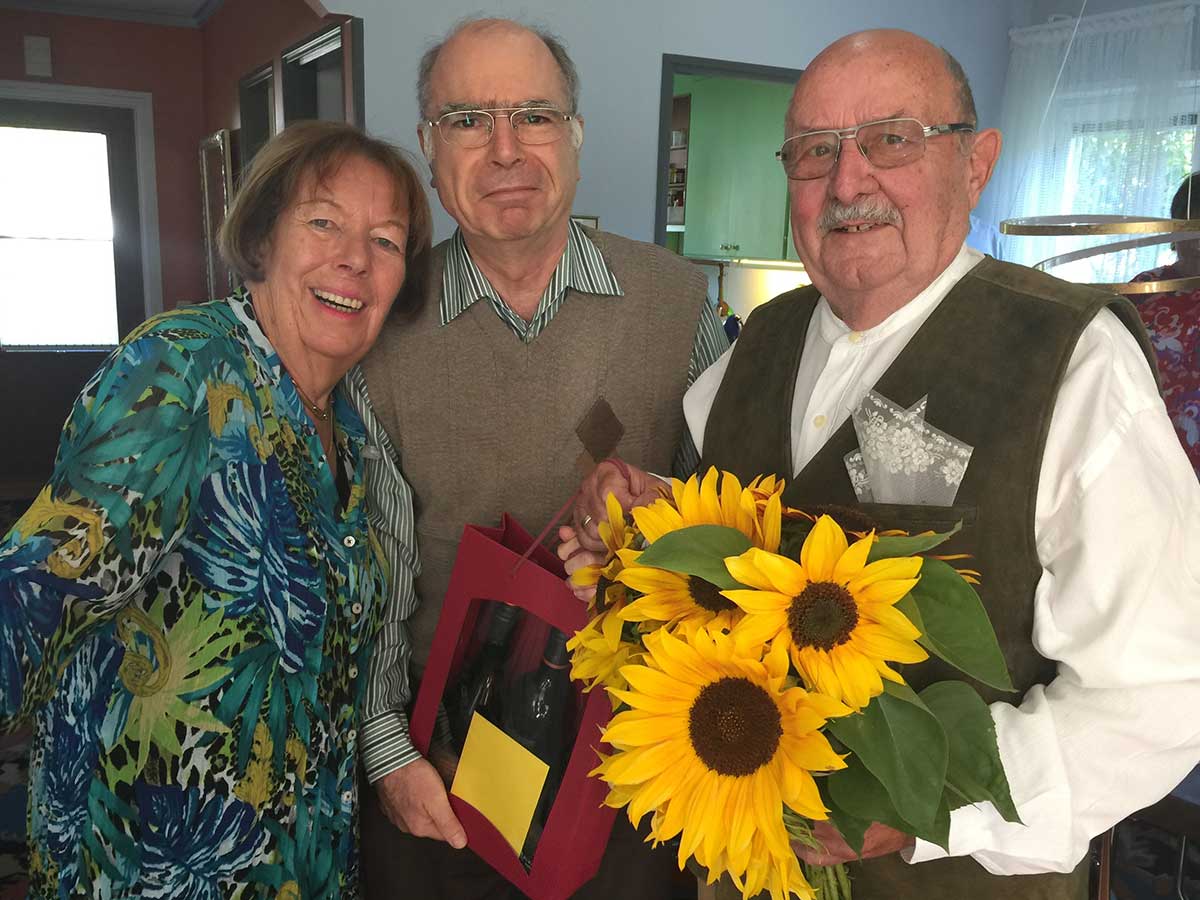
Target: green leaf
{"x":955,"y":626}
{"x":890,"y":547}
{"x":851,"y":828}
{"x":856,"y":799}
{"x":902,"y":744}
{"x":940,"y":832}
{"x":698,"y":550}
{"x":975,"y":772}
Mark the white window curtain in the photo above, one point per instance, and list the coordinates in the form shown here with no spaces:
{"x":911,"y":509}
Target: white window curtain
{"x":1099,"y":117}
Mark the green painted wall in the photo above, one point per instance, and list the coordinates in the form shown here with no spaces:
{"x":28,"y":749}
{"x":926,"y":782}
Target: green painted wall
{"x":736,"y":188}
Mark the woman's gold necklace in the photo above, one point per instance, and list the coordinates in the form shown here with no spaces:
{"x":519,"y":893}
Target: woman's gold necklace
{"x":321,"y":414}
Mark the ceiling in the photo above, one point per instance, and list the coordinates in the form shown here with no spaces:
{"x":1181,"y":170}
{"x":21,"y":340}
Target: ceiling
{"x":185,"y":13}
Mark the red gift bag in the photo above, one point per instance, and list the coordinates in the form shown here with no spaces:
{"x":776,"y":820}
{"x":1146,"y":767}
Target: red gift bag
{"x":488,"y":567}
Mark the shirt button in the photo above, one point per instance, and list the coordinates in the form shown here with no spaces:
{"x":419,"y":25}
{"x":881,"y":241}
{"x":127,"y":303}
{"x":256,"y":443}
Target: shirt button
{"x":819,"y":421}
{"x":351,"y":735}
{"x":854,"y":337}
{"x":349,"y":541}
{"x":354,"y":671}
{"x":356,"y":608}
{"x":347,"y":797}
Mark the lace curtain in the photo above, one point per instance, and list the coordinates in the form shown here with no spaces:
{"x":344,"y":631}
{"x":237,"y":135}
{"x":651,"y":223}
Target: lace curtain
{"x":1099,"y":117}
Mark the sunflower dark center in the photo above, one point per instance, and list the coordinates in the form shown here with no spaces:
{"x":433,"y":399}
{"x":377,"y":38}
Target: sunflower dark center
{"x":734,"y":726}
{"x":707,"y":595}
{"x":822,"y":616}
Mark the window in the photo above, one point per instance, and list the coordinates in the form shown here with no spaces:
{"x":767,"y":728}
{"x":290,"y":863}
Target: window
{"x":56,"y":239}
{"x":1099,"y":119}
{"x":1097,"y":178}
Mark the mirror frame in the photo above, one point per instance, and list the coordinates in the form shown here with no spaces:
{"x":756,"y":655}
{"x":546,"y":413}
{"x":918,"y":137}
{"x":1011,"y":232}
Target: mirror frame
{"x":216,"y":187}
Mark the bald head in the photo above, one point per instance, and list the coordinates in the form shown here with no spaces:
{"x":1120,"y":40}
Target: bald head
{"x":901,"y":53}
{"x":472,"y":27}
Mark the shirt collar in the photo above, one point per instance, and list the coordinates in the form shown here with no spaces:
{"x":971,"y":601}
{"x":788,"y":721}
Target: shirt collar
{"x":242,"y":305}
{"x":582,"y":268}
{"x":913,"y":312}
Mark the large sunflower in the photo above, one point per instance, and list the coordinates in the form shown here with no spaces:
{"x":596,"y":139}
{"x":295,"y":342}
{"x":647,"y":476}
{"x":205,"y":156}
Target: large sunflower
{"x":834,"y":612}
{"x":718,"y":499}
{"x":714,"y":744}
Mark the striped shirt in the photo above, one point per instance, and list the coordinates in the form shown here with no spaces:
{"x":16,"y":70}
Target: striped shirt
{"x":384,"y":736}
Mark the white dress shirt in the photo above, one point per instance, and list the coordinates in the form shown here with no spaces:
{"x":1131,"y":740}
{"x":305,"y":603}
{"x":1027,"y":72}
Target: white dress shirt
{"x":1117,"y":606}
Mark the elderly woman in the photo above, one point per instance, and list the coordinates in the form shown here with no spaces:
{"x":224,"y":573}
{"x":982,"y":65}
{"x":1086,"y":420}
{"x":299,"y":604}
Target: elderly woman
{"x":187,"y":609}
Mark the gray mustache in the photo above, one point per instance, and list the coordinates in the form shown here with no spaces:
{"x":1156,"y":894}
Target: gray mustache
{"x":836,"y":214}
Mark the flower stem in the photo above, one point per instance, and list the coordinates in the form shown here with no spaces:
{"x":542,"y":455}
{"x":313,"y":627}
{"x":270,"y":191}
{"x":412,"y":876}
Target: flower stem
{"x":830,"y":882}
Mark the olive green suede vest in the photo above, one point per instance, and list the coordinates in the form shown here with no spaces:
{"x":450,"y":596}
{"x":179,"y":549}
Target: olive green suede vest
{"x":990,"y":358}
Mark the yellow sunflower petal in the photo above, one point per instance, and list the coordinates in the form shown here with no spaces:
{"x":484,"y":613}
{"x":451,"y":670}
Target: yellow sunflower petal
{"x":772,"y":524}
{"x":760,"y":602}
{"x":657,"y":519}
{"x":851,"y":563}
{"x":903,"y":568}
{"x":822,"y":549}
{"x":710,"y":500}
{"x":658,"y":684}
{"x":768,"y":571}
{"x":892,"y":619}
{"x":877,"y":641}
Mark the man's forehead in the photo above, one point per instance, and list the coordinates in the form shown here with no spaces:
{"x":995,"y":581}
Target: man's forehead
{"x":496,"y":68}
{"x":847,"y":95}
{"x":492,"y":103}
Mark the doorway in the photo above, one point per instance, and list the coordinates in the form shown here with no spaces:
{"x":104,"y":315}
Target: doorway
{"x":71,"y":250}
{"x":721,"y":194}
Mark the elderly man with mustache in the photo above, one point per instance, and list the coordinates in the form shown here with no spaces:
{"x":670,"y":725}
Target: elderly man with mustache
{"x":1078,"y":503}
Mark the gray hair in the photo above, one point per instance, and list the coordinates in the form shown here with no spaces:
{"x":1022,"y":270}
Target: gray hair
{"x":554,"y":44}
{"x":966,"y":99}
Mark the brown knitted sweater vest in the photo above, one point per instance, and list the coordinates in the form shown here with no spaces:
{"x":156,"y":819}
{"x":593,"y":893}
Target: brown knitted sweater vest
{"x":485,"y":424}
{"x":990,"y":358}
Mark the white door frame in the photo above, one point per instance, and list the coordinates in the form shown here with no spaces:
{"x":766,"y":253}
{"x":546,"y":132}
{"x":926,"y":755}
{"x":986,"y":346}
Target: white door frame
{"x":142,"y":105}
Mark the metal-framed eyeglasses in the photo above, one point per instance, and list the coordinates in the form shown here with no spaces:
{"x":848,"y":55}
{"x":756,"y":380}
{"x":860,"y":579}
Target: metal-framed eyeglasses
{"x":531,"y":124}
{"x":885,"y":144}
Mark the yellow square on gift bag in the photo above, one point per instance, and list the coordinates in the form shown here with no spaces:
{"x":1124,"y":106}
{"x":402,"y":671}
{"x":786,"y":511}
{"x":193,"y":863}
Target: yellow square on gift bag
{"x":501,"y":779}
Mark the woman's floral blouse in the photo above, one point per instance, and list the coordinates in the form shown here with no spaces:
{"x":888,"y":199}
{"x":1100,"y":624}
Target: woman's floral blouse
{"x":1173,"y":321}
{"x":185,"y":612}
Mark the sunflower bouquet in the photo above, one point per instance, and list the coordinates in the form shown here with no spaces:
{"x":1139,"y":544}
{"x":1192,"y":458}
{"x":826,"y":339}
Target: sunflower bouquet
{"x":752,"y":655}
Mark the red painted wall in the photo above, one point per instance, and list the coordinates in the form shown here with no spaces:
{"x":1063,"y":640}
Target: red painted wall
{"x":240,"y":37}
{"x":164,"y":61}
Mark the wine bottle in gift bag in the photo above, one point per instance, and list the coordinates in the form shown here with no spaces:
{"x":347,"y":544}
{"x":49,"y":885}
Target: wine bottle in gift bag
{"x":539,"y":717}
{"x":479,"y":687}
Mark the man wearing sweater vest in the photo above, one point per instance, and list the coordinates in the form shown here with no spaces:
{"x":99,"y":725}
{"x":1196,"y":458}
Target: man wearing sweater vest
{"x":489,"y":401}
{"x":1079,"y":505}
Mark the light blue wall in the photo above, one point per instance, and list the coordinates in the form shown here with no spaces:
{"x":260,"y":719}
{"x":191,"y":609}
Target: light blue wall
{"x":618,"y":47}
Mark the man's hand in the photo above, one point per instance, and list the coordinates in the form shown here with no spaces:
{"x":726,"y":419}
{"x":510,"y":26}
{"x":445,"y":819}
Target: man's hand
{"x":414,"y":799}
{"x":880,"y":840}
{"x":632,"y":487}
{"x":574,"y":557}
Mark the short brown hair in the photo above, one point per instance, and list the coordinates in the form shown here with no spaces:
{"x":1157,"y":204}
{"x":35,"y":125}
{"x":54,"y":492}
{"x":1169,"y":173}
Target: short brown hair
{"x":269,"y":186}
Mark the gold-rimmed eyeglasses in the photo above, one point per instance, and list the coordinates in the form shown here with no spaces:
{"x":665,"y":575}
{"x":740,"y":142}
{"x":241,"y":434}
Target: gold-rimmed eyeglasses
{"x":886,"y":144}
{"x":473,"y":127}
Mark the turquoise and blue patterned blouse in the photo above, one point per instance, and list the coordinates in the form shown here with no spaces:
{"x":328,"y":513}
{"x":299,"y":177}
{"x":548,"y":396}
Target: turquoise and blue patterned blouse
{"x":185,"y":611}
